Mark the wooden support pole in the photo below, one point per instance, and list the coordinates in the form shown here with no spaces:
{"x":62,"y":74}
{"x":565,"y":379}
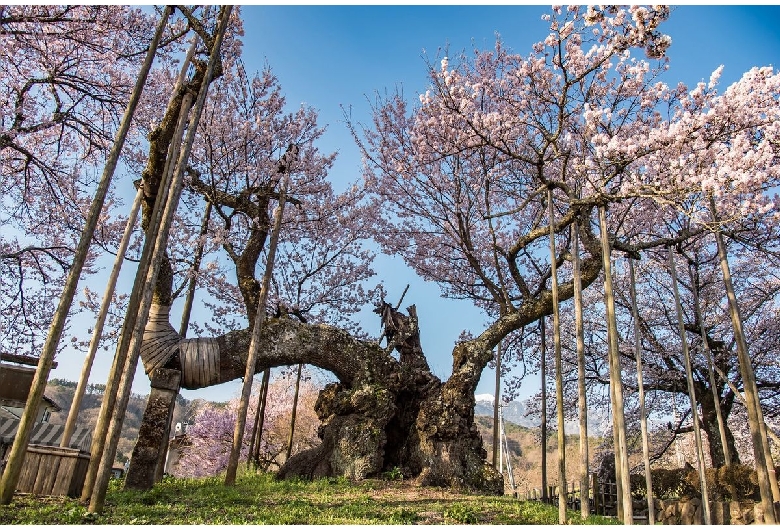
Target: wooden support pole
{"x":543,"y":352}
{"x":110,"y":394}
{"x":616,"y":380}
{"x":254,"y":344}
{"x":97,"y":333}
{"x":161,"y":240}
{"x":259,"y":419}
{"x":642,"y":409}
{"x":108,"y":406}
{"x":15,"y":459}
{"x":190,"y":298}
{"x":558,"y":364}
{"x":710,"y":365}
{"x":766,"y":485}
{"x":705,"y":499}
{"x":293,"y":413}
{"x":496,"y":407}
{"x":582,"y":401}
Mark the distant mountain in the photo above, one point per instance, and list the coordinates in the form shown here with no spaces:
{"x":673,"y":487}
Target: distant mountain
{"x":517,"y":412}
{"x":514,"y":411}
{"x":62,"y":391}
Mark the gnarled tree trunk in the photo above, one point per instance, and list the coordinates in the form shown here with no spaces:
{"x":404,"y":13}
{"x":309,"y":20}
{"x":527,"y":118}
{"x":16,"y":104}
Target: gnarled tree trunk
{"x":383,"y":413}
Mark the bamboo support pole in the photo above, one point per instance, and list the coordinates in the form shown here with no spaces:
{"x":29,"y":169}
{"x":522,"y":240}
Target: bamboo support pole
{"x":496,"y":406}
{"x":120,"y":357}
{"x":161,"y":239}
{"x":741,"y":398}
{"x":710,"y":364}
{"x":543,"y":352}
{"x":126,"y":371}
{"x":767,"y":486}
{"x":15,"y":458}
{"x":261,"y":415}
{"x":293,"y":413}
{"x":187,"y":309}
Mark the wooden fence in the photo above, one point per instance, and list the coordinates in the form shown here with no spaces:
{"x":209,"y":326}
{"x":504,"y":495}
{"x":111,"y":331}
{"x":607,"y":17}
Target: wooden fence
{"x":603,"y":496}
{"x":53,"y":471}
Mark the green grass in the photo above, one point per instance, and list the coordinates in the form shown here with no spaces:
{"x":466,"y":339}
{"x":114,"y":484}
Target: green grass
{"x":259,"y":499}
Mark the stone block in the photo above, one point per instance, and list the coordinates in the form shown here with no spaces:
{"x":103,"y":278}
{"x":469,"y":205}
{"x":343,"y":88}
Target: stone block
{"x":720,"y":513}
{"x":687,"y":510}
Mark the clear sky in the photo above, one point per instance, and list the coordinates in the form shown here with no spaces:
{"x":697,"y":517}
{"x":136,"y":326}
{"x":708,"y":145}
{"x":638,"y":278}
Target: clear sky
{"x":330,"y":57}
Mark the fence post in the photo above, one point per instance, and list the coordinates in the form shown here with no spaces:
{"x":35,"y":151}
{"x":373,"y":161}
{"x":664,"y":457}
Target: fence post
{"x":596,"y":503}
{"x":573,"y":495}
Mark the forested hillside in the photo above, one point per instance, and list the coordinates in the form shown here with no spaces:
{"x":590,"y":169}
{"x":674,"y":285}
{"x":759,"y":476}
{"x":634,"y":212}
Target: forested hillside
{"x":61,"y":392}
{"x":525,"y":453}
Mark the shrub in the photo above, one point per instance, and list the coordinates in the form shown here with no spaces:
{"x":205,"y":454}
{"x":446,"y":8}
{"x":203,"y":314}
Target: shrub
{"x":672,"y":484}
{"x":740,"y":482}
{"x":737,"y":482}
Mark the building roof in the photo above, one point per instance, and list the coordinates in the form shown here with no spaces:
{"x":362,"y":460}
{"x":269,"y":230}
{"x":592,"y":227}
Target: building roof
{"x":52,"y":405}
{"x":7,"y":414}
{"x":15,"y":383}
{"x":47,"y":434}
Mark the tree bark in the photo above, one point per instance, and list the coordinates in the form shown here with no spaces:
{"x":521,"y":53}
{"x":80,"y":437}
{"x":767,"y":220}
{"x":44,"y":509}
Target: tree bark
{"x":720,"y":443}
{"x":185,"y":322}
{"x":382,"y":413}
{"x":148,"y":453}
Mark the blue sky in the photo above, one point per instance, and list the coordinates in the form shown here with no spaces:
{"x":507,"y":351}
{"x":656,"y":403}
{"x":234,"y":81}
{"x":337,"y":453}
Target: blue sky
{"x":333,"y":56}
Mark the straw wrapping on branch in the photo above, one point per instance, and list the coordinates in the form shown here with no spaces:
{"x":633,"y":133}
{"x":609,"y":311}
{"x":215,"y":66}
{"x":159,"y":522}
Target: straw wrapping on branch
{"x":160,"y":340}
{"x":199,"y":362}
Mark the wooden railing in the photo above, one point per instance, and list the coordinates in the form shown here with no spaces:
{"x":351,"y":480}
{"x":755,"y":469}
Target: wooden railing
{"x":603,"y":496}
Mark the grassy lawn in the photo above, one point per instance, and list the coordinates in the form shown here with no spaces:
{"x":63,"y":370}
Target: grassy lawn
{"x":259,"y":499}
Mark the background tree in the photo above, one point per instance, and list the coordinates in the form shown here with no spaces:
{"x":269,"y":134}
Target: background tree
{"x":210,"y":436}
{"x":69,"y":72}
